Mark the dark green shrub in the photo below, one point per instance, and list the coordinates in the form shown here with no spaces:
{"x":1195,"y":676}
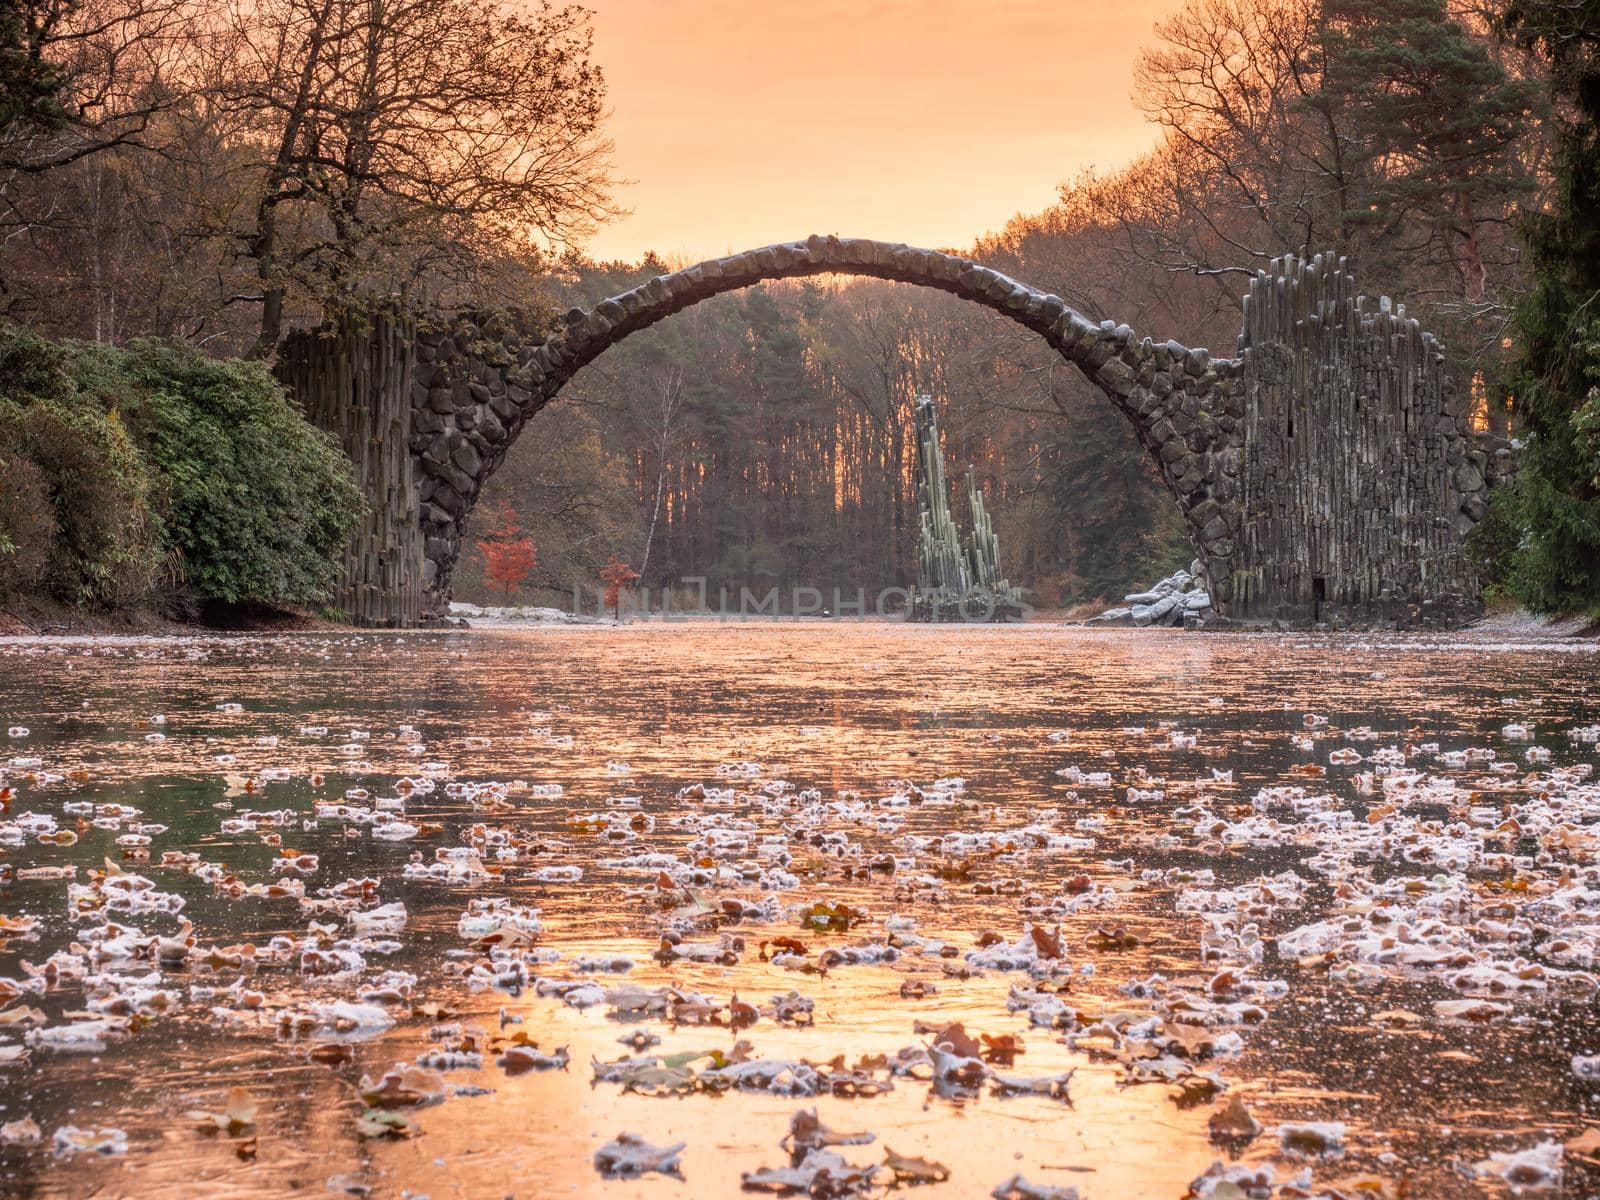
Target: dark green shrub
{"x":101,"y":545}
{"x":258,"y":503}
{"x":27,"y":524}
{"x":165,"y":469}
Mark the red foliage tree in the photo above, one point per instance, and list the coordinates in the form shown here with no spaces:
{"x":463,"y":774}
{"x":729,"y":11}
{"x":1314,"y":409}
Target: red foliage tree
{"x":508,"y":553}
{"x":617,"y":575}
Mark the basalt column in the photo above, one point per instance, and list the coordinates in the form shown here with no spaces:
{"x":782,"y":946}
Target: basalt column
{"x":354,"y":379}
{"x":1359,"y":478}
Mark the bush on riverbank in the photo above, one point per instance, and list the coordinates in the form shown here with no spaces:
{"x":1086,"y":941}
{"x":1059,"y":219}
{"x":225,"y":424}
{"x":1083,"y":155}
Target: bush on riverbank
{"x":154,"y":475}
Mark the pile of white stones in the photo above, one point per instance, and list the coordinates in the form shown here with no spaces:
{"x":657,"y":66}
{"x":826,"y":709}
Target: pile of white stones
{"x":514,"y":614}
{"x":1167,"y":603}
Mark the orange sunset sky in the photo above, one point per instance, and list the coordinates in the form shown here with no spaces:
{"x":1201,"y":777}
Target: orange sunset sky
{"x":743,"y":122}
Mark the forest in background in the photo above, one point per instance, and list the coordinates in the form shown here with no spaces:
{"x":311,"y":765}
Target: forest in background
{"x":210,"y":175}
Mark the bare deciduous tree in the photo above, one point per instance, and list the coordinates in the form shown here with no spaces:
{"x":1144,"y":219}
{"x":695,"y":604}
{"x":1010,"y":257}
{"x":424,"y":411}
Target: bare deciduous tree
{"x":400,"y":144}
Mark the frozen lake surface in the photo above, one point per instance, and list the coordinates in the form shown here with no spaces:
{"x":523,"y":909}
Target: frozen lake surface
{"x":1137,"y":914}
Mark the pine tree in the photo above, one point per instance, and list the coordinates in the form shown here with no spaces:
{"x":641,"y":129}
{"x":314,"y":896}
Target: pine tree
{"x":1555,"y":377}
{"x":1434,"y":119}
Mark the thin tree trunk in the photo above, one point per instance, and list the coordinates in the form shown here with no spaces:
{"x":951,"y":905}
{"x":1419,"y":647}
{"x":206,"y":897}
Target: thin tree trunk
{"x":263,"y":243}
{"x":1475,"y":275}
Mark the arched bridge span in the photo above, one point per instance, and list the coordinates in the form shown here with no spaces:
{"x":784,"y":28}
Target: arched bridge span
{"x":1322,"y":468}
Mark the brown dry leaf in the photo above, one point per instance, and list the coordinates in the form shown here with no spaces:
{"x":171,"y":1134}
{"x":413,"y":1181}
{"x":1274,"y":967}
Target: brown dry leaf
{"x":403,"y":1084}
{"x":1396,"y":1016}
{"x":1365,"y":1187}
{"x":332,"y":1053}
{"x":1047,"y":941}
{"x":1194,"y":1090}
{"x":956,"y":1037}
{"x":1233,"y":1122}
{"x":807,"y":1132}
{"x":238,"y":1114}
{"x":1111,"y":939}
{"x":385,"y":1123}
{"x":914,"y":1170}
{"x":1003,"y":1049}
{"x":1471,"y":1010}
{"x":525,"y":1056}
{"x":20,"y":1133}
{"x":23,"y":1015}
{"x":836,"y":917}
{"x":1195,"y":1042}
{"x":507,"y":937}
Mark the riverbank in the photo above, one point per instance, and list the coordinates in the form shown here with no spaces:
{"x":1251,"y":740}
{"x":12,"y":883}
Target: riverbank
{"x":37,"y":620}
{"x":45,"y":620}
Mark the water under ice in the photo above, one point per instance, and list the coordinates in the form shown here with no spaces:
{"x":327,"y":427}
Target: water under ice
{"x":797,"y":909}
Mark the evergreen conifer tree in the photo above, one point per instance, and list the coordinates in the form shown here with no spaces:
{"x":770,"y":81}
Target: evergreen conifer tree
{"x":1554,"y":378}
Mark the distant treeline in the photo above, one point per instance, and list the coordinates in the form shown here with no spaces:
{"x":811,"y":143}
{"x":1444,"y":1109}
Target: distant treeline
{"x":765,"y":439}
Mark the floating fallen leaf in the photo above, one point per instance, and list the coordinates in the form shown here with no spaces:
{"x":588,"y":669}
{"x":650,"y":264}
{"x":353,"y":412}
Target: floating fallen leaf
{"x":1111,"y":939}
{"x":630,"y":1155}
{"x":1532,"y":1169}
{"x":821,"y":1174}
{"x":332,"y":1053}
{"x":403,"y":1084}
{"x":518,"y":1057}
{"x":238,"y":1114}
{"x":914,"y":1170}
{"x":385,"y":1123}
{"x":1001,"y":1050}
{"x":1364,"y":1187}
{"x":1047,"y":941}
{"x":1032,"y":1085}
{"x":1233,"y":1122}
{"x":1315,"y":1138}
{"x":1019,"y":1187}
{"x":1396,"y":1016}
{"x":807,"y":1132}
{"x":836,"y":917}
{"x":955,"y":1038}
{"x":20,"y":1133}
{"x":1471,"y":1010}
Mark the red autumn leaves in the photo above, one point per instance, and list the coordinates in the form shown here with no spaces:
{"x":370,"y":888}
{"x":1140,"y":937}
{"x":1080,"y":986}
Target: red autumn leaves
{"x":508,"y":553}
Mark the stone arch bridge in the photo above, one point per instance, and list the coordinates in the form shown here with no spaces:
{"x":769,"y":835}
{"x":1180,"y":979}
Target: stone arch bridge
{"x":1322,"y":471}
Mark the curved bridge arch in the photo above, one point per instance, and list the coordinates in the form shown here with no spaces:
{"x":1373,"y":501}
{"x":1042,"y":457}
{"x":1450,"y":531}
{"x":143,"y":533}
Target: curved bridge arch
{"x":1324,"y":471}
{"x":1175,"y":398}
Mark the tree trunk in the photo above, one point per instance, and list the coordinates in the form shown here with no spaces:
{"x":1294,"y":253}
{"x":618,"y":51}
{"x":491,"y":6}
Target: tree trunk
{"x":1475,"y":276}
